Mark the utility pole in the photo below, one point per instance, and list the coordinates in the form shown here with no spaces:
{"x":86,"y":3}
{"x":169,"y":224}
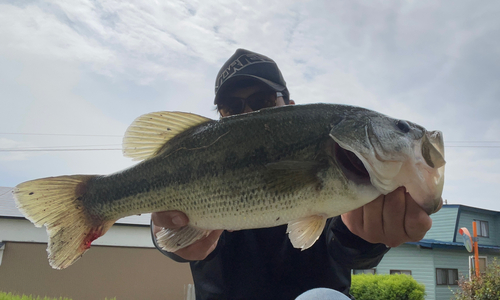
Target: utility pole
{"x":471,"y":244}
{"x":476,"y":254}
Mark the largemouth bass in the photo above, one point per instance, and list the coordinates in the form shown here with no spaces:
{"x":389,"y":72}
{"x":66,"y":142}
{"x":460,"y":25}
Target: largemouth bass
{"x":295,"y":165}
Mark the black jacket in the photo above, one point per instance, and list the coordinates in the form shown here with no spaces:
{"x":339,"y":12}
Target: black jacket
{"x":262,"y":263}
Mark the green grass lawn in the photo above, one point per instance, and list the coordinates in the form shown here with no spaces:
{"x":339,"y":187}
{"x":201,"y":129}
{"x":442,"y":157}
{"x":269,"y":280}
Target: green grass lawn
{"x":10,"y":296}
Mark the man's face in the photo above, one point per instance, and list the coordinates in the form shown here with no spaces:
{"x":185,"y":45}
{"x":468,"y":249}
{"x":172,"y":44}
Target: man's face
{"x":245,"y":93}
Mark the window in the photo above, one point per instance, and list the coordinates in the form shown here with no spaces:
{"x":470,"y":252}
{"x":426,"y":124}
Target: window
{"x":365,"y":271}
{"x":483,"y":229}
{"x":406,"y":272}
{"x":483,"y":263}
{"x":446,"y":276}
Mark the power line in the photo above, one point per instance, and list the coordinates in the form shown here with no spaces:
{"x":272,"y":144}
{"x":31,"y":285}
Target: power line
{"x":472,"y":141}
{"x":61,"y":134}
{"x":61,"y":148}
{"x":53,"y":147}
{"x":111,"y":135}
{"x":53,"y":150}
{"x":465,"y":146}
{"x":120,"y":136}
{"x":449,"y":144}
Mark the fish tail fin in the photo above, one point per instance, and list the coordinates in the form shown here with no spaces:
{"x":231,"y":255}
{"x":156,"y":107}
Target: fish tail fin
{"x":58,"y":203}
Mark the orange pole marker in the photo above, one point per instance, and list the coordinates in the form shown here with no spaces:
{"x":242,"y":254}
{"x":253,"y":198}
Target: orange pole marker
{"x":476,"y":252}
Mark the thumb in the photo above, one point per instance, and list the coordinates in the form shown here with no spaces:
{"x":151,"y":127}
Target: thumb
{"x":169,"y":219}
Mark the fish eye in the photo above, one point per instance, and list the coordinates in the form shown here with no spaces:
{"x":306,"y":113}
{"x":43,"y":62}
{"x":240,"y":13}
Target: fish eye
{"x":403,"y":126}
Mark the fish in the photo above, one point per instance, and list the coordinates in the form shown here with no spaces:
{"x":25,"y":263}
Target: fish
{"x":295,"y":165}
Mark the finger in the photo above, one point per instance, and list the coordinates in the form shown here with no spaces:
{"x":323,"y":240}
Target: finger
{"x":373,"y":225}
{"x":201,"y":248}
{"x":417,"y":221}
{"x":169,"y":219}
{"x":394,"y":218}
{"x":353,"y":220}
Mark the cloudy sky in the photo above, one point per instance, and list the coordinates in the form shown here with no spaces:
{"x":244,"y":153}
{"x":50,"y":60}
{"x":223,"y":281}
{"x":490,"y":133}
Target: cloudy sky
{"x":75,"y":74}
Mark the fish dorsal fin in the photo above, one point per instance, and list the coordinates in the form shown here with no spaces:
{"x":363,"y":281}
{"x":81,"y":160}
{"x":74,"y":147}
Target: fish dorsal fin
{"x":304,"y":232}
{"x":148,"y":133}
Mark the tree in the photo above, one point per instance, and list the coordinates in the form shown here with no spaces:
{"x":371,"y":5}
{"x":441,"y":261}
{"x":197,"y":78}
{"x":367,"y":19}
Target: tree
{"x":485,"y":287}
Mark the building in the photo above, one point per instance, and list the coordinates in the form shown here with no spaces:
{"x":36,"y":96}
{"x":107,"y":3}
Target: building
{"x":122,"y":264}
{"x":440,"y":259}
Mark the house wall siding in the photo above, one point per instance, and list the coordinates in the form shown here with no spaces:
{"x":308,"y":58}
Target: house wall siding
{"x":127,"y":273}
{"x":450,"y":259}
{"x":443,"y":224}
{"x":466,"y":219}
{"x":497,"y":221}
{"x":456,"y":259}
{"x":410,"y":257}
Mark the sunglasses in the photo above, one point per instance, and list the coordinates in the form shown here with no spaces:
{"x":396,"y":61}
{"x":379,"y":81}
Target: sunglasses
{"x":256,"y":101}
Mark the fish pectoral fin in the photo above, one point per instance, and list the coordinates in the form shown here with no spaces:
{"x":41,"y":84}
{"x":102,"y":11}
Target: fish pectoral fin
{"x":148,"y":133}
{"x":286,"y":176}
{"x":172,"y":240}
{"x":304,"y":232}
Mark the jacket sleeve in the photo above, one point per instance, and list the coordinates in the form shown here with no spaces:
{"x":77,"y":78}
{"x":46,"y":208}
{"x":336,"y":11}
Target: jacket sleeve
{"x":350,"y":250}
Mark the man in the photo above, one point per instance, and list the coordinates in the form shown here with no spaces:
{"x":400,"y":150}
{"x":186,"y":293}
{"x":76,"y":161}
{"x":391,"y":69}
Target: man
{"x":262,"y":263}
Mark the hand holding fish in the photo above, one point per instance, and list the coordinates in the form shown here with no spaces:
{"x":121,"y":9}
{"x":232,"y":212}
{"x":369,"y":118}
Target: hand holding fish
{"x":392,"y":220}
{"x":200,"y":249}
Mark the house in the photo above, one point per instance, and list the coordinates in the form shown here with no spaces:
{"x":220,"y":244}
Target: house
{"x":440,"y":259}
{"x":122,"y":264}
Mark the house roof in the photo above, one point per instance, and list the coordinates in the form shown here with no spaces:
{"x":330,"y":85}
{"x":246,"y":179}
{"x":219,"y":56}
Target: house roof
{"x":471,"y":208}
{"x":7,"y":206}
{"x":8,"y":209}
{"x":433,"y":244}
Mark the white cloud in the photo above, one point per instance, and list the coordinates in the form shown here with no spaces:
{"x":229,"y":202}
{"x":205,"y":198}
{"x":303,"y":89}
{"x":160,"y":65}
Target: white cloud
{"x":31,"y":30}
{"x":87,"y":67}
{"x":473,"y":164}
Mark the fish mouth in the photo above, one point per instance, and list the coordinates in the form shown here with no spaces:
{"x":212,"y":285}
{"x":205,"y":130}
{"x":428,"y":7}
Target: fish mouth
{"x":432,"y":149}
{"x":438,"y":204}
{"x":352,"y":167}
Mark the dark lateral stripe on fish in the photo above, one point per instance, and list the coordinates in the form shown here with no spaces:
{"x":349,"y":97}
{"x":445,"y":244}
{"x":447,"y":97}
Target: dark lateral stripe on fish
{"x":120,"y":185}
{"x":212,"y":165}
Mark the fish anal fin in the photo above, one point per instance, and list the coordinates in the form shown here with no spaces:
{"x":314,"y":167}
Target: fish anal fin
{"x":148,"y":133}
{"x":286,"y":176}
{"x":172,"y":240}
{"x":304,"y":232}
